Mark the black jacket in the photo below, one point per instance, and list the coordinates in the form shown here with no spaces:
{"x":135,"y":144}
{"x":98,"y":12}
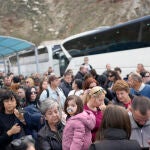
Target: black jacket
{"x":115,"y":139}
{"x":49,"y":140}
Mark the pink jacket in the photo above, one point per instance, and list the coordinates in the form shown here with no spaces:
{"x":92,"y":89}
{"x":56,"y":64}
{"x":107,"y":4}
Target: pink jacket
{"x":77,"y":132}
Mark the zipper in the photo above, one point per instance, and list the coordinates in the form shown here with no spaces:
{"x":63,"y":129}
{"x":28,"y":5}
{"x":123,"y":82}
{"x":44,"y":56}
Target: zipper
{"x":142,"y":138}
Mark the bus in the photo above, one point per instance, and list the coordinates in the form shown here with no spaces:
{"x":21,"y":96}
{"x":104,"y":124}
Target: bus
{"x":124,"y":45}
{"x":49,"y":54}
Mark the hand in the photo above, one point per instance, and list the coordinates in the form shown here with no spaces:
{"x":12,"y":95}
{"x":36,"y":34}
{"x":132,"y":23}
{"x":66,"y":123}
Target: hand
{"x":14,"y":130}
{"x":102,"y":107}
{"x":18,"y":114}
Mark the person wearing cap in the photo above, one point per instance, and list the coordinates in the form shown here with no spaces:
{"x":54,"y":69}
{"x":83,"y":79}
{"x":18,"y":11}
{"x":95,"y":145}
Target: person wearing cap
{"x":95,"y":103}
{"x":50,"y":135}
{"x":54,"y":92}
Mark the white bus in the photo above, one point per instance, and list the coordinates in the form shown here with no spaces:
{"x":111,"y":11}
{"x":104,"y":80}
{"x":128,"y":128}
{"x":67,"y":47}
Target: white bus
{"x":48,"y":55}
{"x":124,"y":45}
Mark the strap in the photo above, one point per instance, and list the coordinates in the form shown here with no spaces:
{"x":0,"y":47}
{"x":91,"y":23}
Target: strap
{"x":47,"y":93}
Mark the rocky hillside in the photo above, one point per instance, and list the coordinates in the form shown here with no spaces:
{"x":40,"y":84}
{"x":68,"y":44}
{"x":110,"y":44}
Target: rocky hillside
{"x":40,"y":20}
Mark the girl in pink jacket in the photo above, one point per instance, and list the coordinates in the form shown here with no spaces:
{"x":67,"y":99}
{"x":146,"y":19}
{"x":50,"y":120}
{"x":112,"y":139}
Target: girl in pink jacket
{"x":77,"y":132}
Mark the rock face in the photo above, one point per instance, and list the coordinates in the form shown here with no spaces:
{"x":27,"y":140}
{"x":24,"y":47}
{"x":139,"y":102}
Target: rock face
{"x":40,"y":20}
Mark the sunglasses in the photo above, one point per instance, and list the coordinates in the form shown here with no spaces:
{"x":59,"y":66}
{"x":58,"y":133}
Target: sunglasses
{"x":110,"y":75}
{"x":33,"y":92}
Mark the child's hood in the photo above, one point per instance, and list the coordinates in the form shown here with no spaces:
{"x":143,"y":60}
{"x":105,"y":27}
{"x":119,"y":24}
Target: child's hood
{"x":87,"y":118}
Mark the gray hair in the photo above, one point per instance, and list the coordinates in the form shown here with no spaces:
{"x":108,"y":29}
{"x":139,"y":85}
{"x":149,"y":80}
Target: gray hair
{"x":136,"y":77}
{"x":49,"y":104}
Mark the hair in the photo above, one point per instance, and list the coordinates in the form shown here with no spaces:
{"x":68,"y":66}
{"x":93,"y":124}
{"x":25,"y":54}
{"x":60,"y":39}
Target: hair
{"x":49,"y":104}
{"x":40,"y":86}
{"x":141,"y":103}
{"x":87,"y":83}
{"x":115,"y":74}
{"x":31,"y":81}
{"x":121,"y":85}
{"x":117,"y":69}
{"x":114,"y":117}
{"x":7,"y":94}
{"x":78,"y":102}
{"x":136,"y":77}
{"x":78,"y":82}
{"x":28,"y":94}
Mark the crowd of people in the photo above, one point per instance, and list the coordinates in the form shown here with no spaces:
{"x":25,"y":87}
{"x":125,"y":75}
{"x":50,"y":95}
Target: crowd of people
{"x":86,"y":111}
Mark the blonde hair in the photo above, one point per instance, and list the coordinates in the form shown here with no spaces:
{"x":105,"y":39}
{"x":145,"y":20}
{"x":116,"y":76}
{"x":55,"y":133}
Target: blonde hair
{"x":95,"y":91}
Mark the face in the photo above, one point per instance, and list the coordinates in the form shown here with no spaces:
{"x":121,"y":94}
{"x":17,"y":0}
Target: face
{"x":72,"y":107}
{"x":33,"y":94}
{"x":52,"y":116}
{"x":111,"y":77}
{"x":9,"y":105}
{"x":68,"y":78}
{"x":74,"y":86}
{"x":86,"y":60}
{"x":7,"y":81}
{"x":98,"y":99}
{"x":45,"y":85}
{"x":55,"y":83}
{"x":108,"y":67}
{"x":146,"y":78}
{"x":122,"y":96}
{"x":130,"y":82}
{"x":138,"y":117}
{"x":21,"y":93}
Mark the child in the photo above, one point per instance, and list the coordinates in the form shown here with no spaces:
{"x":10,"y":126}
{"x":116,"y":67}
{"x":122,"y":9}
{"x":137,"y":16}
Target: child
{"x":77,"y":132}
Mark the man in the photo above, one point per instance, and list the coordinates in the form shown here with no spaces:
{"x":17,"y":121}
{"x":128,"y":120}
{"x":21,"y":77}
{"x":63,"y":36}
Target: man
{"x":137,"y":85}
{"x":145,"y":77}
{"x":86,"y":63}
{"x":140,"y":120}
{"x":66,"y":84}
{"x":82,"y":71}
{"x":108,"y":68}
{"x":54,"y":91}
{"x":140,"y":68}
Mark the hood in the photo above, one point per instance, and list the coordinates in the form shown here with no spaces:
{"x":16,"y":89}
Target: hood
{"x":87,"y":118}
{"x":115,"y":134}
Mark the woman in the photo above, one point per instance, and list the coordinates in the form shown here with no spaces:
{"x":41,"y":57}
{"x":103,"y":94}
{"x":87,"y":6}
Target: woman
{"x":31,"y":96}
{"x":21,"y":93}
{"x":77,"y":88}
{"x":123,"y":98}
{"x":10,"y":126}
{"x":43,"y":86}
{"x":115,"y":131}
{"x":50,"y":135}
{"x":95,"y":104}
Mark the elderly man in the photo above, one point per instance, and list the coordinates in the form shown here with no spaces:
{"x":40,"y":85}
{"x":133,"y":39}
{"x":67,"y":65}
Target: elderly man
{"x":140,"y":120}
{"x":137,"y":85}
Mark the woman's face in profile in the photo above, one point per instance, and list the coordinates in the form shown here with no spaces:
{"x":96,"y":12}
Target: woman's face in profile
{"x":52,"y":115}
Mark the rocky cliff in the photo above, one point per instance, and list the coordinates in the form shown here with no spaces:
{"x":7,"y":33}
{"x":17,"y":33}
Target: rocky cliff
{"x":40,"y":20}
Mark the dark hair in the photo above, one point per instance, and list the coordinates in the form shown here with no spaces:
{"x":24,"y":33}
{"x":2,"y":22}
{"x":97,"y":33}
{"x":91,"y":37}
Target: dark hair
{"x":118,"y":69}
{"x":78,"y":82}
{"x":28,"y":94}
{"x":141,"y":103}
{"x":7,"y":94}
{"x":115,"y":74}
{"x":115,"y":117}
{"x":77,"y":100}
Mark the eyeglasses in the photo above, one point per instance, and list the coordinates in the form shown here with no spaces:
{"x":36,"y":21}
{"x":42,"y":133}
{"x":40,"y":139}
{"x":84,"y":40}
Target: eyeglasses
{"x":33,"y":92}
